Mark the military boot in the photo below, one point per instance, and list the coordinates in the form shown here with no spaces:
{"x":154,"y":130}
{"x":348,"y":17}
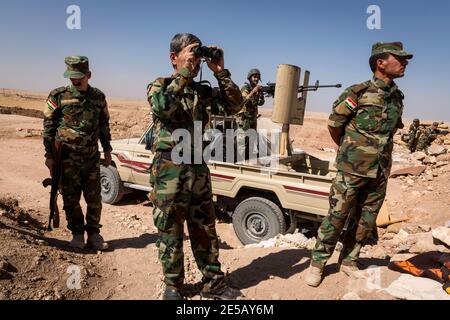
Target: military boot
{"x":172,"y":293}
{"x":77,"y":241}
{"x":218,"y":289}
{"x":224,"y":293}
{"x":96,"y":241}
{"x":349,"y":267}
{"x":314,"y":276}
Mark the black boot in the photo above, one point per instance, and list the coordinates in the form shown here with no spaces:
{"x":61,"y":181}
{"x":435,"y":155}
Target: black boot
{"x":172,"y":293}
{"x":221,"y":291}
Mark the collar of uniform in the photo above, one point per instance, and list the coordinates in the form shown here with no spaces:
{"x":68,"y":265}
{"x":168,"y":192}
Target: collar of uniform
{"x":383,"y":86}
{"x":76,"y":93}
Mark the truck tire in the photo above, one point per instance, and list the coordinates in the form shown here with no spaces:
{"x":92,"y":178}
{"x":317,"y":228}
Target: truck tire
{"x":256,"y":219}
{"x":111,"y":185}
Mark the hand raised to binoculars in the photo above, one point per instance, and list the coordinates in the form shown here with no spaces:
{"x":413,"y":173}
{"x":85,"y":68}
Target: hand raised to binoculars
{"x":217,"y":65}
{"x":188,"y":58}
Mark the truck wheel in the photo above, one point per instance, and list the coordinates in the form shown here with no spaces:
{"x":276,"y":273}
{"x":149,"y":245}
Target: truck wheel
{"x":256,"y":219}
{"x":111,"y":184}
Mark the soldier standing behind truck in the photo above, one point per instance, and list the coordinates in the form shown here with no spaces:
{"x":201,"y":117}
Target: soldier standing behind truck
{"x":363,"y":122}
{"x":248,"y":116}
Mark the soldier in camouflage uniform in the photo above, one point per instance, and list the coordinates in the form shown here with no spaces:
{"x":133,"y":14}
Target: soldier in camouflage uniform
{"x":182,"y":191}
{"x":427,"y":137}
{"x":253,"y":97}
{"x":412,"y":140}
{"x":363,"y":122}
{"x":76,"y":117}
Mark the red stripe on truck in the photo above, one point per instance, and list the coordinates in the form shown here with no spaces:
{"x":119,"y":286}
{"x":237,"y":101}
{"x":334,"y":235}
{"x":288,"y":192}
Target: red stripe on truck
{"x":318,"y":193}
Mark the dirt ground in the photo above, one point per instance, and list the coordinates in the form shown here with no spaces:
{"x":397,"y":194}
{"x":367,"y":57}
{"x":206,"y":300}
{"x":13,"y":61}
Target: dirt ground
{"x":37,"y":264}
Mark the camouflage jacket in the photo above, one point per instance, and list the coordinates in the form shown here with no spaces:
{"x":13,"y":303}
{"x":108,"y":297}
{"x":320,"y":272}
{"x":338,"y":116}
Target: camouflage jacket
{"x":77,"y":120}
{"x":249,"y":110}
{"x":428,"y":136}
{"x":413,"y":129}
{"x":369,"y":114}
{"x":176,"y":104}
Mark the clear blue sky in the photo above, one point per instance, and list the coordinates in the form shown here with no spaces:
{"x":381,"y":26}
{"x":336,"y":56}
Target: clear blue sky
{"x":128,"y":43}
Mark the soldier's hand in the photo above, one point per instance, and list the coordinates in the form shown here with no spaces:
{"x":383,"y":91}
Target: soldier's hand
{"x":188,"y":58}
{"x":108,"y":159}
{"x":49,"y":162}
{"x":218,"y":65}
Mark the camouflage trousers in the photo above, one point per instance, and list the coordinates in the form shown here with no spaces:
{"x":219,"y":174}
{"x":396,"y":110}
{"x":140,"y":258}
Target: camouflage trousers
{"x":81,"y":174}
{"x":359,"y":197}
{"x":412,"y":142}
{"x":182,"y":192}
{"x":423,"y":143}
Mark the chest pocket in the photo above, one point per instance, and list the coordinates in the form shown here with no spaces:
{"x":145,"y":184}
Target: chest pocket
{"x":371,"y":113}
{"x":81,"y":116}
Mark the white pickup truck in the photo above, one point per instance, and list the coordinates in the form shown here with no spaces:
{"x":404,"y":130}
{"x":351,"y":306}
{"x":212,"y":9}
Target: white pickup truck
{"x":262,"y":202}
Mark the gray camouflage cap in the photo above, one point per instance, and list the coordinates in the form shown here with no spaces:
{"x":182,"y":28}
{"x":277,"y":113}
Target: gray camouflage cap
{"x":395,"y":48}
{"x":77,"y":67}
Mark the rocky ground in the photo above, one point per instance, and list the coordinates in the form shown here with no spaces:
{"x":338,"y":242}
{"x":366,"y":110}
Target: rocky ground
{"x":36,"y":264}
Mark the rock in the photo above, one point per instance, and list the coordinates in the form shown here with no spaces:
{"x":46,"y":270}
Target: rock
{"x":410,"y":182}
{"x":351,"y":296}
{"x":414,"y":171}
{"x":58,"y":295}
{"x":430,"y":188}
{"x":416,"y":194}
{"x":435,"y":150}
{"x":443,"y":157}
{"x":4,"y":265}
{"x":378,"y":253}
{"x":429,"y":160}
{"x":440,"y":164}
{"x":419,"y":155}
{"x":425,"y":243}
{"x":442,"y":234}
{"x":401,"y":236}
{"x":415,"y":228}
{"x":414,"y":288}
{"x":401,"y":257}
{"x":394,"y":228}
{"x":276,"y":296}
{"x":447,"y":224}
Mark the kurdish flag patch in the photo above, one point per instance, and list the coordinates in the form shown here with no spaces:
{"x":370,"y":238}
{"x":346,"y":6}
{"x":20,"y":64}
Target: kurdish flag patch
{"x":350,"y":103}
{"x":51,"y":105}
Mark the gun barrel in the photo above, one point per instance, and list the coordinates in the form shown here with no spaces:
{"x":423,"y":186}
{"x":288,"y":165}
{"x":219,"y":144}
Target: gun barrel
{"x":317,"y":86}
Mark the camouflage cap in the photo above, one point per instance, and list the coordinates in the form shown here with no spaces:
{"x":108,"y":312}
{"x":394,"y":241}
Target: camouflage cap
{"x":77,"y":67}
{"x":416,"y":120}
{"x":252,"y":72}
{"x":395,"y":48}
{"x":435,"y":124}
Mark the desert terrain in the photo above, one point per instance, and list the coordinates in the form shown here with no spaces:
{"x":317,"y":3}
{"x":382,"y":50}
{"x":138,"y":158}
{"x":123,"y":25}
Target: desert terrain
{"x":36,"y":264}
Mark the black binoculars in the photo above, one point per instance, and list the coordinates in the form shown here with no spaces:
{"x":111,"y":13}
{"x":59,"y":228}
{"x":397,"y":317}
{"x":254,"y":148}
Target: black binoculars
{"x":214,"y":54}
